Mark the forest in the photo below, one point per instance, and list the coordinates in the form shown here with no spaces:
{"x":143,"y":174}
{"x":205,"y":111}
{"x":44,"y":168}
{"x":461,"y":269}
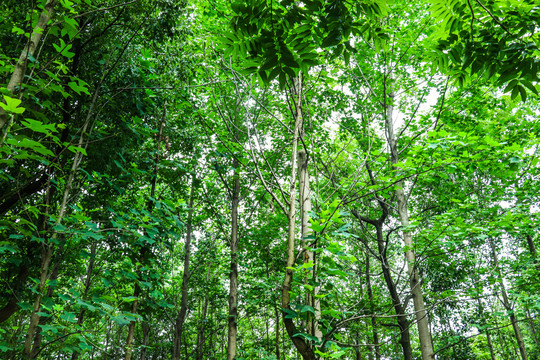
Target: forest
{"x":269,"y":179}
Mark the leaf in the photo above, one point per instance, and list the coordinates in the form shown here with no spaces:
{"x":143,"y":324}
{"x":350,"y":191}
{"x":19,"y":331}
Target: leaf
{"x":120,"y":320}
{"x":530,"y":86}
{"x":79,"y":87}
{"x":38,"y":126}
{"x":290,"y":314}
{"x":50,"y":328}
{"x":308,"y":308}
{"x":77,"y":149}
{"x":31,"y":144}
{"x":69,"y":317}
{"x":282,"y":80}
{"x":63,"y":49}
{"x":11,"y":105}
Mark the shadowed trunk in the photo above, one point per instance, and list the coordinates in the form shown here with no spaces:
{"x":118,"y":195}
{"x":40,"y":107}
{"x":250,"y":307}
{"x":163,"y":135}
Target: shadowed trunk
{"x":233,"y":283}
{"x":424,"y":333}
{"x":179,"y":326}
{"x":507,"y":305}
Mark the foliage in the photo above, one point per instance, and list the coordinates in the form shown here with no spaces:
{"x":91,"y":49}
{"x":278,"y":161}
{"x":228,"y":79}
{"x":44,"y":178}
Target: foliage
{"x":128,"y":112}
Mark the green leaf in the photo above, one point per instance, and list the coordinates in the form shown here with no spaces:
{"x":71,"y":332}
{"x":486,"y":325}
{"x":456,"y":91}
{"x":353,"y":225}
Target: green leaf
{"x":79,"y":86}
{"x":69,"y":317}
{"x":50,"y":328}
{"x":38,"y":126}
{"x":11,"y":105}
{"x":290,"y":314}
{"x":31,"y":144}
{"x":120,"y":320}
{"x":77,"y":149}
{"x":307,"y":308}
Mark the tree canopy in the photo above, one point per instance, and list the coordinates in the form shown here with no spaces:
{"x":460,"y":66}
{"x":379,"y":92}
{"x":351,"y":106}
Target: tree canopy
{"x":269,"y":179}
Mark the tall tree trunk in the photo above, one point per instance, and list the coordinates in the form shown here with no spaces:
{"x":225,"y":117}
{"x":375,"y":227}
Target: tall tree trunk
{"x":131,"y":327}
{"x":507,"y":305}
{"x":144,"y":250}
{"x":303,"y":347}
{"x":304,"y":194}
{"x":490,"y":346}
{"x":403,"y":322}
{"x":202,"y":327}
{"x":87,"y":284}
{"x":532,"y":247}
{"x":179,"y":326}
{"x":34,"y":318}
{"x":28,"y":51}
{"x":44,"y":320}
{"x":146,"y":339}
{"x":532,"y":328}
{"x":48,"y":247}
{"x":424,"y":333}
{"x":376,"y":348}
{"x":233,"y":279}
{"x":277,"y":335}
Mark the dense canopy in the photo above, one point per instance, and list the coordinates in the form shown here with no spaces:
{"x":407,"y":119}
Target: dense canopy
{"x":269,"y":179}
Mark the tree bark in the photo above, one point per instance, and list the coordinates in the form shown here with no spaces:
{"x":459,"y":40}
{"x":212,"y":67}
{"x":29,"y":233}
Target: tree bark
{"x":403,"y":322}
{"x":38,"y":338}
{"x":179,"y":326}
{"x":144,"y":247}
{"x":29,"y":50}
{"x":131,"y":327}
{"x":48,"y":248}
{"x":302,"y":346}
{"x":233,"y":279}
{"x":277,"y":335}
{"x":34,"y":318}
{"x":507,"y":305}
{"x":424,"y":333}
{"x":146,"y":339}
{"x":308,"y":241}
{"x":376,"y":349}
{"x":87,"y":284}
{"x":490,"y":346}
{"x":202,"y":327}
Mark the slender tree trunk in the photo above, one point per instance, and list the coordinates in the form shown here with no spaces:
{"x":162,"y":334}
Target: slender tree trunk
{"x":308,"y":240}
{"x":233,"y":279}
{"x":490,"y":346}
{"x":34,"y":319}
{"x":403,"y":322}
{"x":87,"y":284}
{"x":144,"y":248}
{"x":28,"y":51}
{"x":202,"y":327}
{"x":303,"y":348}
{"x":44,"y":320}
{"x":185,"y":277}
{"x":146,"y":338}
{"x":508,"y":306}
{"x":131,"y":327}
{"x":277,"y":335}
{"x":376,"y":348}
{"x":532,"y":247}
{"x":532,"y":327}
{"x":424,"y":334}
{"x":48,"y":248}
